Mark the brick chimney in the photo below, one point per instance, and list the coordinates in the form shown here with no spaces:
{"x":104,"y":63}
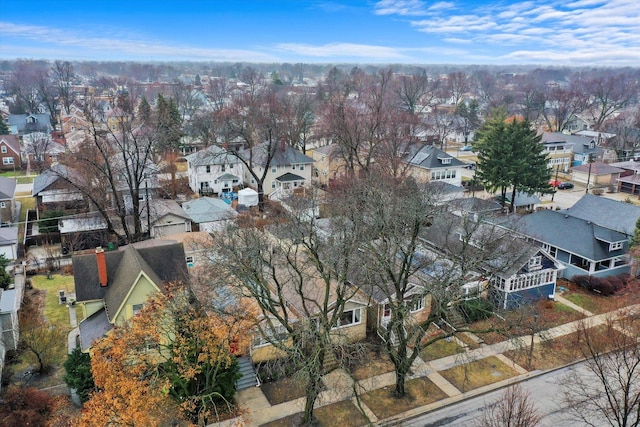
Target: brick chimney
{"x":101,"y":259}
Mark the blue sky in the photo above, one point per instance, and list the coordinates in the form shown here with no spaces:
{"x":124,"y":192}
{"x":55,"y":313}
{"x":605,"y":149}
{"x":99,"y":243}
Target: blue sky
{"x":546,"y":32}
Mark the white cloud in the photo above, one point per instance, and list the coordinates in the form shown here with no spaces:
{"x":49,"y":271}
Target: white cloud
{"x":54,"y":40}
{"x":401,"y":7}
{"x":342,"y":50}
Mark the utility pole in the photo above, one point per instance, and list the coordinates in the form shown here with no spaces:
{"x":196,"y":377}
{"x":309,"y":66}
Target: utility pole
{"x":590,"y":160}
{"x":555,"y":188}
{"x":146,"y":197}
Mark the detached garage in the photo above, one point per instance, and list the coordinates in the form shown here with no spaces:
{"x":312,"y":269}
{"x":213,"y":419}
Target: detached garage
{"x":168,"y":218}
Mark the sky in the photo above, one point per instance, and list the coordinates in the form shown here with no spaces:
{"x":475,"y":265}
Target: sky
{"x":539,"y":32}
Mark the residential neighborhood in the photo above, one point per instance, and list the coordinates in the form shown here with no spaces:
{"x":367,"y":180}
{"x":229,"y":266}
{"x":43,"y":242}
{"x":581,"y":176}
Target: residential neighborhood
{"x":309,"y":250}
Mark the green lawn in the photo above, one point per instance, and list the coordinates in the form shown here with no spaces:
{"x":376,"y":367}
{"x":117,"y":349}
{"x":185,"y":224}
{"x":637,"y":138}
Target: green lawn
{"x":25,"y":179}
{"x":588,"y":302}
{"x":439,"y":349}
{"x":57,"y":314}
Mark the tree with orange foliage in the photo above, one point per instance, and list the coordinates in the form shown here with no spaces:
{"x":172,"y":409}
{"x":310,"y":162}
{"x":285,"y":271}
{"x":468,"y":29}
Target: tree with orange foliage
{"x":172,"y":363}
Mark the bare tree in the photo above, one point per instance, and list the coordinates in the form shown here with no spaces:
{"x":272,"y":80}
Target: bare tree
{"x":62,"y":75}
{"x":24,"y":82}
{"x":513,"y":409}
{"x":302,"y":283}
{"x":457,"y":84}
{"x":113,"y":164}
{"x":610,"y":393}
{"x":609,"y":94}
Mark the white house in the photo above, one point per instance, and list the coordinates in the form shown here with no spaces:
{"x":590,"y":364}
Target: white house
{"x":213,"y":171}
{"x":288,"y":168}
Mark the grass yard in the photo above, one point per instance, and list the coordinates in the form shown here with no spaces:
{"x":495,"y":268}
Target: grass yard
{"x":440,"y":349}
{"x":374,"y":363}
{"x":516,"y":323}
{"x":600,"y":304}
{"x":343,"y":414}
{"x":57,"y":314}
{"x":478,"y":373}
{"x":420,"y":391}
{"x":25,"y":179}
{"x":283,"y":390}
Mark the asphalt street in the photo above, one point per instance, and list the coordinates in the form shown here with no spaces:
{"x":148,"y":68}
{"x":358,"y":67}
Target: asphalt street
{"x":545,"y":392}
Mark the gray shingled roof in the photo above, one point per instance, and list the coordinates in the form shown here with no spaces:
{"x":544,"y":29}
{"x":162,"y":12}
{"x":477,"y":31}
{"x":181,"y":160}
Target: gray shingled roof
{"x":429,"y":157}
{"x":208,"y":209}
{"x":7,"y":188}
{"x":289,"y":177}
{"x":93,"y":328}
{"x":212,"y":155}
{"x":282,"y":156}
{"x":618,"y":216}
{"x":166,"y":259}
{"x":569,"y":233}
{"x":50,"y":176}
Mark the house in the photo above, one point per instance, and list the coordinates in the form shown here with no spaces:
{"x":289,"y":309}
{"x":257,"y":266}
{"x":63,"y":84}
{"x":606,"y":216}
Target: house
{"x":10,"y":302}
{"x":83,"y":231}
{"x":529,"y":277}
{"x":198,"y":250}
{"x":581,"y":246}
{"x":288,"y":168}
{"x":558,"y":150}
{"x":9,"y":242}
{"x":7,"y":199}
{"x":21,"y":124}
{"x":329,"y":164}
{"x":513,"y":271}
{"x":629,"y":179}
{"x":113,"y":286}
{"x":596,"y":174}
{"x":53,"y":191}
{"x":618,"y":216}
{"x":428,"y":163}
{"x":167,"y":218}
{"x":522,"y":202}
{"x":213,"y":171}
{"x":209,"y":214}
{"x":10,"y":152}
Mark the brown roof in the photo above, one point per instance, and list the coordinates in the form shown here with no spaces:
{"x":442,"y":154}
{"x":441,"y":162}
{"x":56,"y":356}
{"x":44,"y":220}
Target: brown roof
{"x":11,"y":141}
{"x":598,"y":168}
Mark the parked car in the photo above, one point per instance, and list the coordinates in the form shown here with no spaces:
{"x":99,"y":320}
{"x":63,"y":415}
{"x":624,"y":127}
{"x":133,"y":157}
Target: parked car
{"x":554,"y":183}
{"x":466,"y":148}
{"x":565,"y":185}
{"x":470,"y":165}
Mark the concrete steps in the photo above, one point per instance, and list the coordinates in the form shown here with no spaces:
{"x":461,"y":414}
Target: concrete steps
{"x":249,"y":377}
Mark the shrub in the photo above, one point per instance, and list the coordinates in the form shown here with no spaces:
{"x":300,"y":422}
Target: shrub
{"x":604,"y":286}
{"x":476,"y":309}
{"x":24,"y":407}
{"x":597,"y":191}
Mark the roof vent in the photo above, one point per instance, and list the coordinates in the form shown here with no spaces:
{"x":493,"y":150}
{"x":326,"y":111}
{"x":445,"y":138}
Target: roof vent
{"x":566,"y":216}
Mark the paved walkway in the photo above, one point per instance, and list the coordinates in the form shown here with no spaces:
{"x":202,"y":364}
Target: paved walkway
{"x":340,"y":386}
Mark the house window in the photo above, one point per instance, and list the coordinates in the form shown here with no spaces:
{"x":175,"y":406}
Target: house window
{"x":189,"y":260}
{"x":224,"y":167}
{"x":136,"y":308}
{"x":386,"y":310}
{"x":7,"y":160}
{"x":274,"y":169}
{"x":535,"y":262}
{"x":446,"y":161}
{"x":348,"y":318}
{"x":208,"y":169}
{"x":293,"y":167}
{"x":4,"y":149}
{"x":301,"y":167}
{"x":615,"y":246}
{"x":3,"y":205}
{"x":273,"y":184}
{"x":416,"y":304}
{"x":268,"y":335}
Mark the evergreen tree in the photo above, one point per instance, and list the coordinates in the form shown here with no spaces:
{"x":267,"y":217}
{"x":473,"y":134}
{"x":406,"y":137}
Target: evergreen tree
{"x":144,"y":111}
{"x":5,"y":277}
{"x":4,"y":129}
{"x":78,"y":376}
{"x":510,"y":156}
{"x":168,"y":124}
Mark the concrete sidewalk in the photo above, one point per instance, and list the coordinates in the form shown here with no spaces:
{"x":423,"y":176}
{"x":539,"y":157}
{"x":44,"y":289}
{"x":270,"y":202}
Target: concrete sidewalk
{"x":339,"y":385}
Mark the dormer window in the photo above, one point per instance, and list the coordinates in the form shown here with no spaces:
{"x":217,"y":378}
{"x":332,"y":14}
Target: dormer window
{"x":615,"y":246}
{"x":446,"y":160}
{"x":535,"y":262}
